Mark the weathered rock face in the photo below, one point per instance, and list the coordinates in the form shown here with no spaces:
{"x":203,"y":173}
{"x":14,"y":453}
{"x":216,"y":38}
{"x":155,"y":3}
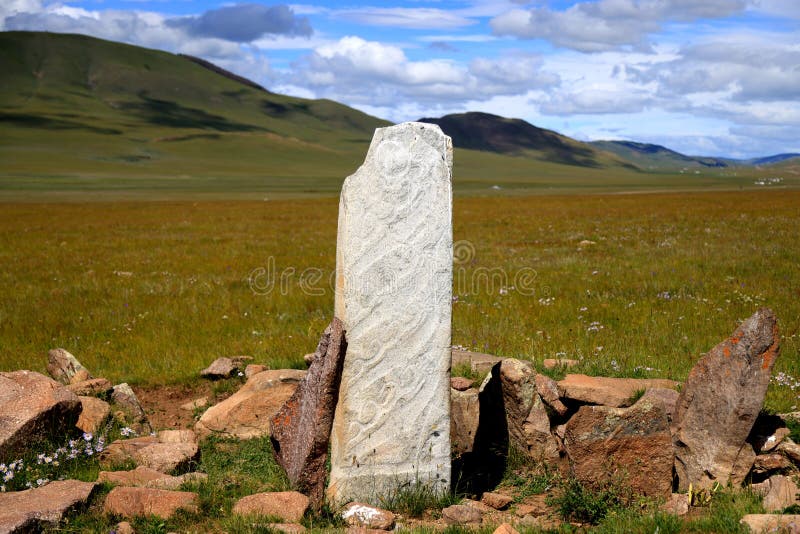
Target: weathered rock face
{"x":526,"y":416}
{"x":782,"y":492}
{"x":302,"y":427}
{"x":33,"y":407}
{"x":290,"y":506}
{"x":62,"y":366}
{"x":464,"y":418}
{"x":32,"y":510}
{"x":632,"y":443}
{"x":394,"y":262}
{"x":94,"y":413}
{"x":132,"y":502}
{"x":720,"y":402}
{"x":246,"y":414}
{"x":614,"y":392}
{"x":127,"y":405}
{"x":763,"y":523}
{"x":667,"y":396}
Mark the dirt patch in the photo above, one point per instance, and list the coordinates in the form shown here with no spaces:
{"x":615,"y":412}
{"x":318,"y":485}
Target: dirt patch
{"x":162,"y":404}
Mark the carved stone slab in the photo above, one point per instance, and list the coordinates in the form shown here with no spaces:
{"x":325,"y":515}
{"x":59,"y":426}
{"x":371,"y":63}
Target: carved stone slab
{"x":394,"y":261}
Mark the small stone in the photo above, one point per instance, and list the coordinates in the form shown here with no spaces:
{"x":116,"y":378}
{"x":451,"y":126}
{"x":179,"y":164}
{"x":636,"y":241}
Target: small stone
{"x":676,"y":504}
{"x":771,"y":442}
{"x":497,"y":501}
{"x":62,"y":365}
{"x":763,"y":523}
{"x":191,"y":406}
{"x":80,"y":376}
{"x":254,"y":369}
{"x":124,"y":398}
{"x":460,"y":514}
{"x":460,"y":383}
{"x":782,"y":493}
{"x":133,"y":502}
{"x":289,"y":506}
{"x":123,"y":527}
{"x":552,"y":363}
{"x":220,"y":368}
{"x":478,"y":505}
{"x":93,"y":387}
{"x":505,"y":528}
{"x":547,"y":388}
{"x":613,"y":392}
{"x":94,"y":413}
{"x":34,"y":509}
{"x":362,"y":515}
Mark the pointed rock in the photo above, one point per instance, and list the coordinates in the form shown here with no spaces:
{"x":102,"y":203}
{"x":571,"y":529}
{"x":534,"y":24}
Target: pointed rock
{"x":720,"y":401}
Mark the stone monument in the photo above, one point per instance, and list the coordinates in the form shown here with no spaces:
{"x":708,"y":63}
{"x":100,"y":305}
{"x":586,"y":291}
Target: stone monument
{"x":394,"y":270}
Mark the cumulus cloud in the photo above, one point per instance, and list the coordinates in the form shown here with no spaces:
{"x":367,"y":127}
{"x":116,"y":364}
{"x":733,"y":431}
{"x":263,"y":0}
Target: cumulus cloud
{"x":607,"y":24}
{"x":405,"y":17}
{"x":244,"y":22}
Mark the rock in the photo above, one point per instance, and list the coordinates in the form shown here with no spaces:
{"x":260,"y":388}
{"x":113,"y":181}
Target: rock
{"x":478,"y":362}
{"x":526,"y":416}
{"x":191,"y":406}
{"x":94,"y":412}
{"x":302,"y":427}
{"x":394,"y":279}
{"x":80,"y":376}
{"x":771,"y":442}
{"x":133,"y":502}
{"x":535,"y":505}
{"x":464,"y":416}
{"x":308,"y":358}
{"x":667,"y":396}
{"x":289,"y":506}
{"x":548,"y":391}
{"x":362,"y":515}
{"x":33,"y":408}
{"x":791,"y":450}
{"x":720,"y":402}
{"x":254,"y":369}
{"x":743,"y":464}
{"x":603,"y":443}
{"x":782,"y":492}
{"x":62,"y":366}
{"x":505,"y":528}
{"x":287,"y":528}
{"x":460,"y":514}
{"x":122,"y":450}
{"x":224,"y":367}
{"x":246,"y":414}
{"x":124,"y":399}
{"x":763,"y":523}
{"x":552,"y":363}
{"x":93,"y":387}
{"x":174,"y":483}
{"x":123,"y":527}
{"x":676,"y":504}
{"x":613,"y":392}
{"x":138,"y":477}
{"x":35,"y":509}
{"x":177,"y":436}
{"x":770,"y":463}
{"x":498,"y":501}
{"x":460,"y":383}
{"x":151,"y":451}
{"x":478,"y":505}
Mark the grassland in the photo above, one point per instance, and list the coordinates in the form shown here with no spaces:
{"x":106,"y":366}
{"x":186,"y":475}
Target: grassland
{"x":149,"y":293}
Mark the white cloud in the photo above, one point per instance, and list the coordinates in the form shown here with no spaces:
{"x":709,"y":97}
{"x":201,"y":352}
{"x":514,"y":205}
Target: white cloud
{"x":404,"y":17}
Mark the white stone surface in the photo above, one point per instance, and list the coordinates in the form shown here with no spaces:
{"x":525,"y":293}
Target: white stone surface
{"x":394,"y":263}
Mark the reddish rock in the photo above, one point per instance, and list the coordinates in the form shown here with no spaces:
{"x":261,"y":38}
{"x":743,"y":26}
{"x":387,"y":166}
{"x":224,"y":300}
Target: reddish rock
{"x":676,"y":504}
{"x":174,"y":483}
{"x":126,"y":404}
{"x":547,"y":388}
{"x":667,"y":396}
{"x":122,"y":450}
{"x":94,"y":413}
{"x":478,"y":362}
{"x":34,"y":509}
{"x":535,"y":505}
{"x":137,"y":477}
{"x":152,"y":452}
{"x":781,"y":492}
{"x":763,"y":523}
{"x":613,"y":392}
{"x":791,"y":450}
{"x":771,"y":463}
{"x":498,"y":501}
{"x":246,"y":414}
{"x":460,"y":383}
{"x":254,"y":369}
{"x":287,"y":528}
{"x":224,"y":367}
{"x":552,"y":363}
{"x":80,"y":376}
{"x":301,"y":429}
{"x":505,"y":528}
{"x":720,"y":402}
{"x":62,"y":366}
{"x":460,"y":514}
{"x":604,"y":443}
{"x":289,"y":506}
{"x":92,"y":388}
{"x":464,"y":415}
{"x":123,"y":527}
{"x":362,"y":515}
{"x":132,"y":502}
{"x":33,"y":408}
{"x":184,"y":435}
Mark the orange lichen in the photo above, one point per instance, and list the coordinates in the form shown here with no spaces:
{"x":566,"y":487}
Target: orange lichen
{"x":727,"y":352}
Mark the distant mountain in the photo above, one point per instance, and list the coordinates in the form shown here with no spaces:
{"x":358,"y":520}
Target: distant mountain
{"x":492,"y":133}
{"x":769,"y":160}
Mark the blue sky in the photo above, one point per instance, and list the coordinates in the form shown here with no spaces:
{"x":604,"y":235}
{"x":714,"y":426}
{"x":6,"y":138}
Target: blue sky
{"x":714,"y":77}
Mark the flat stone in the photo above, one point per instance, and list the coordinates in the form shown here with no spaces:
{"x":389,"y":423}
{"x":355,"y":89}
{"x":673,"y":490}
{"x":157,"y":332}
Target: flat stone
{"x":362,"y":515}
{"x":246,"y":414}
{"x":174,"y":483}
{"x":782,"y":492}
{"x":33,"y":408}
{"x":547,"y":388}
{"x":394,"y":262}
{"x":505,"y":528}
{"x":460,"y":383}
{"x":771,"y":463}
{"x":93,"y":387}
{"x":191,"y":406}
{"x":552,"y":363}
{"x":125,"y":402}
{"x":604,"y":391}
{"x":478,"y":362}
{"x":133,"y":502}
{"x":224,"y":367}
{"x":720,"y":401}
{"x":138,"y":477}
{"x":35,"y":509}
{"x":604,"y":443}
{"x":183,"y":435}
{"x":254,"y":369}
{"x":94,"y":413}
{"x":289,"y":506}
{"x":62,"y":366}
{"x":464,"y":417}
{"x":763,"y":523}
{"x":460,"y":514}
{"x":498,"y":501}
{"x":676,"y":504}
{"x":150,"y":451}
{"x":478,"y":505}
{"x":302,"y":427}
{"x":791,"y":450}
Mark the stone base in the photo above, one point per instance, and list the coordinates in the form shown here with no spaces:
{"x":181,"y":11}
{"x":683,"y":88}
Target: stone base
{"x":378,"y":488}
